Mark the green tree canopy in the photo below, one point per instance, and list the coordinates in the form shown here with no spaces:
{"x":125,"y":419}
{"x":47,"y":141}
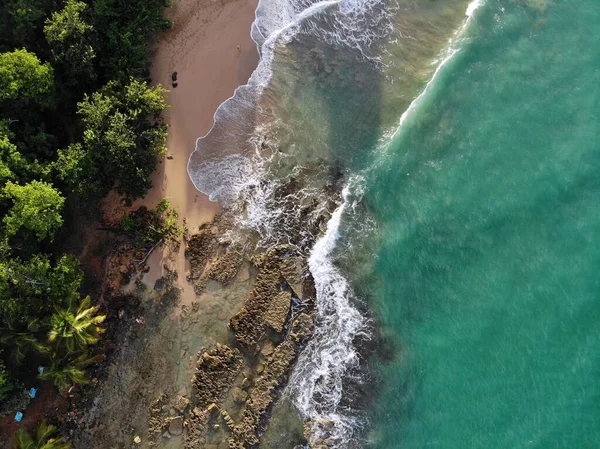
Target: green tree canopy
{"x":5,"y":381}
{"x":76,"y":170}
{"x":54,"y":142}
{"x":19,"y":21}
{"x":127,"y":30}
{"x":11,"y":161}
{"x":32,"y":289}
{"x":24,"y":79}
{"x":69,"y":370}
{"x":119,"y":137}
{"x":19,"y":342}
{"x":70,"y":38}
{"x":37,"y":206}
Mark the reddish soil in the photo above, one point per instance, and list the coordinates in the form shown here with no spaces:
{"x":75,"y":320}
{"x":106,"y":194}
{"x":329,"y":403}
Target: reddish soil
{"x":46,"y":405}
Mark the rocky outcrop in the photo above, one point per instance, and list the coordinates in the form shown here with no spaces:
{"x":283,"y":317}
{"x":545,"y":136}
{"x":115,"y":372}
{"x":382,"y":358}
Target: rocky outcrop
{"x":197,"y":425}
{"x":323,"y":440}
{"x":215,"y":372}
{"x":277,"y":313}
{"x":201,"y":247}
{"x":248,"y":324}
{"x":225,"y":267}
{"x":293,"y":269}
{"x":268,"y":303}
{"x":267,"y":386}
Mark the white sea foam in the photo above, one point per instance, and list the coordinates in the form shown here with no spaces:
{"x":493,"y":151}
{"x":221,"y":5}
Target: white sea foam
{"x":317,"y":381}
{"x":473,"y":6}
{"x":331,"y":356}
{"x":226,"y":151}
{"x":451,"y":51}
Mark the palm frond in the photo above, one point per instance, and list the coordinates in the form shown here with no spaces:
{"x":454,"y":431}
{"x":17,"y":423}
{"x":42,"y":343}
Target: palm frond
{"x":23,"y":440}
{"x":44,"y":432}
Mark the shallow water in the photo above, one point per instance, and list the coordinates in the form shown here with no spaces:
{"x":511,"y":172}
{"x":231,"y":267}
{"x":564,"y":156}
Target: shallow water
{"x":468,"y":224}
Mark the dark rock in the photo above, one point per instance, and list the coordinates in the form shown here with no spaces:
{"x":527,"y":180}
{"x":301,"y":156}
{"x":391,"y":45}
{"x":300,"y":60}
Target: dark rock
{"x":276,"y":369}
{"x":215,"y":372}
{"x":176,"y":426}
{"x":200,"y":247}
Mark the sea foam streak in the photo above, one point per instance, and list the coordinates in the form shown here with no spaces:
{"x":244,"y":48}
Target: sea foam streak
{"x":318,"y":377}
{"x":330,"y":355}
{"x":452,"y":50}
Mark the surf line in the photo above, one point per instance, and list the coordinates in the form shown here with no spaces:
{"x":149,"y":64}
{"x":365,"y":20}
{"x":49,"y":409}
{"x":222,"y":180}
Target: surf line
{"x":260,"y":76}
{"x":330,"y":353}
{"x":317,"y":379}
{"x":450,"y":53}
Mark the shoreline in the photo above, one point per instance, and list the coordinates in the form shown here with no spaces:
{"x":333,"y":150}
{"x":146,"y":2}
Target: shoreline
{"x":210,"y":48}
{"x":209,"y":68}
{"x":161,"y":325}
{"x":153,"y":334}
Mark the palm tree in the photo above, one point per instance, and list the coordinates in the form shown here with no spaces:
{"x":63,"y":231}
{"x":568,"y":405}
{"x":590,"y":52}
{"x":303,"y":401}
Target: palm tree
{"x":66,"y":372}
{"x":76,"y":328}
{"x":21,"y":341}
{"x":43,"y":439}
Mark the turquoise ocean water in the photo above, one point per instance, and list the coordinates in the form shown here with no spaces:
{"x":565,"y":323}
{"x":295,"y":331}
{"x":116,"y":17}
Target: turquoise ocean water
{"x":489,"y":210}
{"x":467,"y":236}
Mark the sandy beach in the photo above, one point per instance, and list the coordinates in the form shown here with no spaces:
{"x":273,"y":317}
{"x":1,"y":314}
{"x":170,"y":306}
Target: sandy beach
{"x":210,"y":48}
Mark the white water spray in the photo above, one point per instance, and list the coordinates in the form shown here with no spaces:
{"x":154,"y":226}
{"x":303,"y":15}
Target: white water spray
{"x":317,"y":380}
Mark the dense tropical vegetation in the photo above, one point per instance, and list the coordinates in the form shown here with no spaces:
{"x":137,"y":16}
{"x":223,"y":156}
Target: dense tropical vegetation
{"x":77,"y":118}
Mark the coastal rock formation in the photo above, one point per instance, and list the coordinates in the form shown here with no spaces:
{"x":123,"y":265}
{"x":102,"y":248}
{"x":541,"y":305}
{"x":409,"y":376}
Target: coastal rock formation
{"x":322,"y":441}
{"x":200,"y":248}
{"x":293,"y":270}
{"x":226,"y":266}
{"x":269,"y":301}
{"x":156,"y":420}
{"x":276,"y":316}
{"x":248,"y":324}
{"x":215,"y":372}
{"x":276,"y":368}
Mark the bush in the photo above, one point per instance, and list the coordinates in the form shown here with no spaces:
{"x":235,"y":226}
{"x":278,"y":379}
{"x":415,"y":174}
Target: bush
{"x":24,"y":79}
{"x":123,"y":136}
{"x":37,"y":207}
{"x":6,"y":384}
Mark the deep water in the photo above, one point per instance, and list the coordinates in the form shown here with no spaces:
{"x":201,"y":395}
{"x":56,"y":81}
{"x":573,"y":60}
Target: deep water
{"x":487,"y":202}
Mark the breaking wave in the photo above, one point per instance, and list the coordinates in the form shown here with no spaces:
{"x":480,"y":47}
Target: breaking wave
{"x":240,"y":164}
{"x":228,"y":161}
{"x":330,"y":356}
